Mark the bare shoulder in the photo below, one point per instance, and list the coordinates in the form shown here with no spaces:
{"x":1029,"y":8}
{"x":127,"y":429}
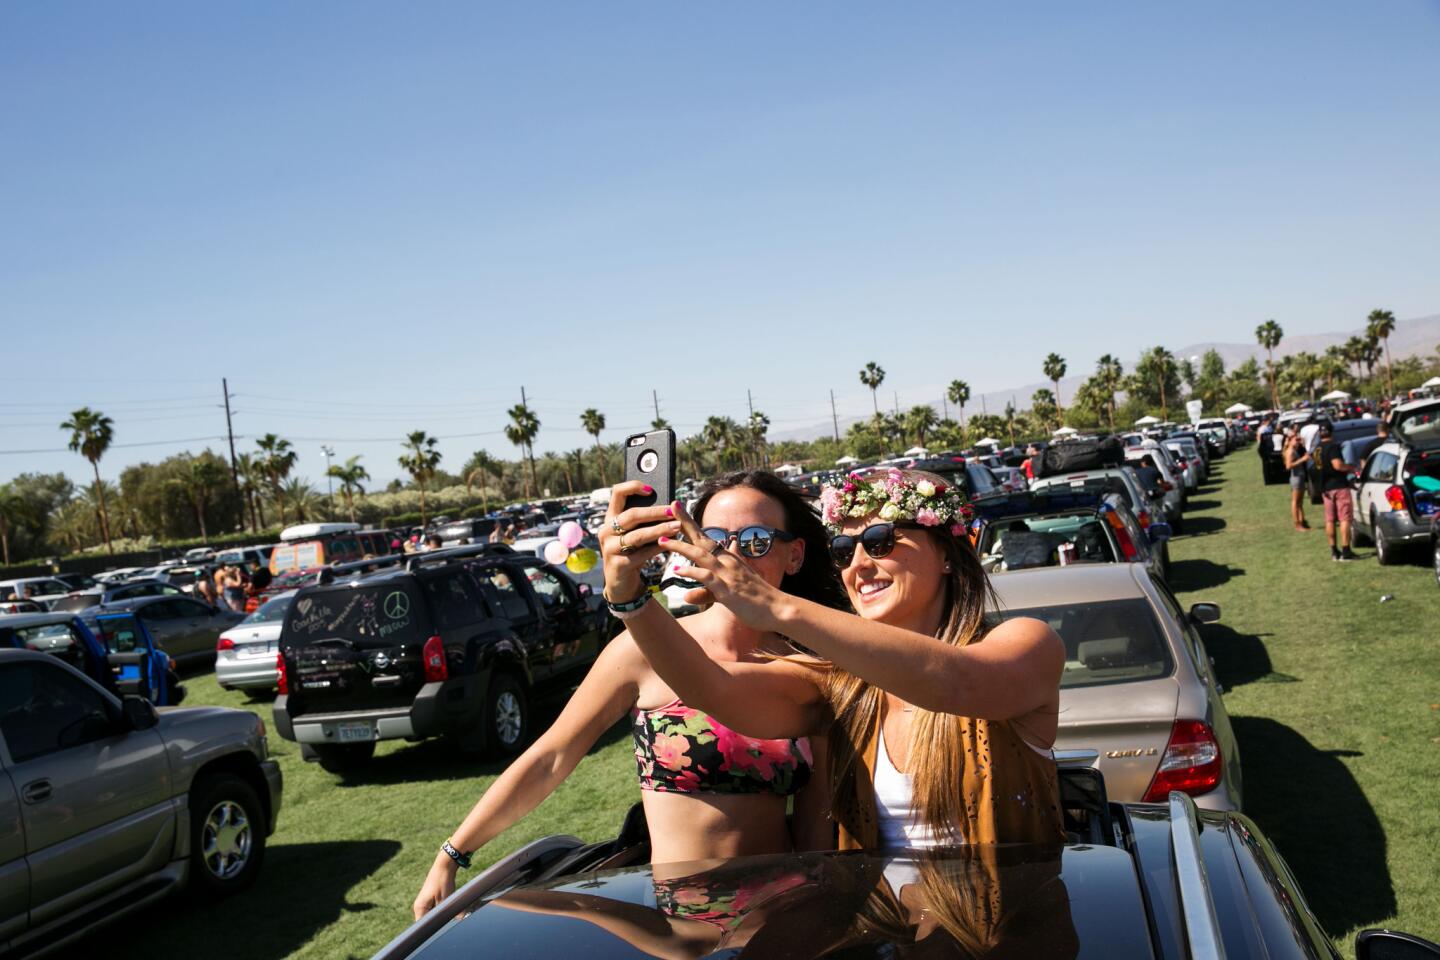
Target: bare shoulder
{"x":1028,"y":635}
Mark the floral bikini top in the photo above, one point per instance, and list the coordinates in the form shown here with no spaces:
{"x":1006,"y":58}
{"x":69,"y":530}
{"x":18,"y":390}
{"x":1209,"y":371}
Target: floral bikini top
{"x":681,"y":750}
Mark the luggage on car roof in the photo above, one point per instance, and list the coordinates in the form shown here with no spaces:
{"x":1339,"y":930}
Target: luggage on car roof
{"x":1074,"y":455}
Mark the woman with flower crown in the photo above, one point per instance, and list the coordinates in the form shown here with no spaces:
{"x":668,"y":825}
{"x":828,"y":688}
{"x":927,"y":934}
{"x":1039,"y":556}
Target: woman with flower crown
{"x":939,"y":725}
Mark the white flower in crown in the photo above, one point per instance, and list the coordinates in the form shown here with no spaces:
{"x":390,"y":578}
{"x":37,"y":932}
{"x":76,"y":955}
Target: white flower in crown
{"x":925,"y":488}
{"x":889,"y":512}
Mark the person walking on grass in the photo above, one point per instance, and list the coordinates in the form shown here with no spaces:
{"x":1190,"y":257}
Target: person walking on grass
{"x":1335,"y":491}
{"x":1296,"y":459}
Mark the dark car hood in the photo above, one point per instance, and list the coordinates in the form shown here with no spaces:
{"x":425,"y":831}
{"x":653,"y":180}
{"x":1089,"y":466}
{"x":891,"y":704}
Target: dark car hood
{"x":1008,"y":901}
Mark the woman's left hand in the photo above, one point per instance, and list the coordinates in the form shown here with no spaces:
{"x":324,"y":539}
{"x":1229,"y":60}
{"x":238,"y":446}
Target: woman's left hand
{"x":724,"y":577}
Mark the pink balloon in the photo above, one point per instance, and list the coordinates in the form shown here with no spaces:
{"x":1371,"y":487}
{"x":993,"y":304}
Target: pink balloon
{"x":570,"y":534}
{"x":556,"y":552}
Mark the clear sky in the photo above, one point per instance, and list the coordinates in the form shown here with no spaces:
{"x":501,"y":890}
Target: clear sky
{"x":378,"y":217}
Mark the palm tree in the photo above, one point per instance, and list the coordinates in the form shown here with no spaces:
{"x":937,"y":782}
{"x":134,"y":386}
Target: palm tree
{"x":479,"y":466}
{"x":420,"y":462}
{"x":920,"y":420}
{"x":756,"y":427}
{"x":1333,"y":365}
{"x":659,"y":423}
{"x":959,"y":393}
{"x":594,"y":421}
{"x":1269,"y":335}
{"x":14,"y":510}
{"x":91,"y":433}
{"x":1380,"y":324}
{"x":276,"y":463}
{"x":250,"y":477}
{"x":1109,"y":373}
{"x":692,"y":449}
{"x":718,"y":432}
{"x":1054,"y":367}
{"x":872,"y":376}
{"x":305,"y":501}
{"x":200,"y":476}
{"x":522,"y":430}
{"x":350,"y":477}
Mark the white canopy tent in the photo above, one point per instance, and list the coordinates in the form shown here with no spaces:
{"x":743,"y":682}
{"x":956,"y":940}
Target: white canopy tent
{"x":1146,"y":421}
{"x":846,"y":461}
{"x":789,"y":470}
{"x":987,"y":442}
{"x":1238,"y":408}
{"x":1432,"y":382}
{"x":1336,"y":395}
{"x":916,"y":452}
{"x":1066,"y":432}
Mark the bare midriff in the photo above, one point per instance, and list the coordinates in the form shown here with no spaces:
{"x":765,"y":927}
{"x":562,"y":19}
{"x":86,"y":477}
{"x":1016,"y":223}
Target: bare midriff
{"x":703,"y":826}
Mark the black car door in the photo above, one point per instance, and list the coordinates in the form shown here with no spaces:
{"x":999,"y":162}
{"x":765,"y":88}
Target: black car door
{"x":502,"y":590}
{"x":574,"y":635}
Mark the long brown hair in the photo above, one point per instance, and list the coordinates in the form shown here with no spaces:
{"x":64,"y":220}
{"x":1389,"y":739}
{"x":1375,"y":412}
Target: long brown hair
{"x":936,"y":751}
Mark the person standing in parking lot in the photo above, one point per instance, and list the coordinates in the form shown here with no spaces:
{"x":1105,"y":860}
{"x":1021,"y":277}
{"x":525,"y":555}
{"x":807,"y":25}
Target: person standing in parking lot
{"x":1335,"y":490}
{"x":1296,"y":459}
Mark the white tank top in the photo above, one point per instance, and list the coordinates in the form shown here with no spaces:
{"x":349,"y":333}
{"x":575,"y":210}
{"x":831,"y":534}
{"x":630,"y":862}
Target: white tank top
{"x":899,"y":828}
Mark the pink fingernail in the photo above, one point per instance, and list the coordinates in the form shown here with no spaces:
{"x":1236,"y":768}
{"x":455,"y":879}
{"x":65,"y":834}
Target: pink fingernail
{"x":649,"y":489}
{"x":664,"y":539}
{"x":669,"y":511}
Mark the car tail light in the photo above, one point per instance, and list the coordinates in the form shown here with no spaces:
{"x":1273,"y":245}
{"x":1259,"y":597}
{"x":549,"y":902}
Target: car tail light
{"x":282,"y":680}
{"x":1395,"y":496}
{"x":1143,"y":518}
{"x":1122,"y":536}
{"x":434,"y":657}
{"x":1191,"y":764}
{"x":224,"y":644}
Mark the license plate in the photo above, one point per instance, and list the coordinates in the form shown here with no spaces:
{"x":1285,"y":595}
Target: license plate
{"x":352,"y":732}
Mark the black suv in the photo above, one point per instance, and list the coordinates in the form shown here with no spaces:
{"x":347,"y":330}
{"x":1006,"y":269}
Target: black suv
{"x":456,"y":643}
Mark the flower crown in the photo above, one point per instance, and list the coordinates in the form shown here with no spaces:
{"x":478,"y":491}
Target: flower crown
{"x":912,"y":495}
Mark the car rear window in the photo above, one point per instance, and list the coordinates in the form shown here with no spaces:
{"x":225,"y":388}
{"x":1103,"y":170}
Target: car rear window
{"x":66,"y":604}
{"x":372,"y":614}
{"x":1420,"y":428}
{"x":1098,"y":486}
{"x":270,"y":611}
{"x":1024,"y":542}
{"x":1106,"y":641}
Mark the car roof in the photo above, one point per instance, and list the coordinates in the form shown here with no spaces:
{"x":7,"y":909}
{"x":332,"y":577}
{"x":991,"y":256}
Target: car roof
{"x":21,"y":620}
{"x":1077,"y":583}
{"x":1030,"y":502}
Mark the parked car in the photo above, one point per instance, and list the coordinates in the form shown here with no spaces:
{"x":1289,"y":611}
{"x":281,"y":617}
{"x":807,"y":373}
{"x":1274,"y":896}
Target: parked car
{"x":121,"y":662}
{"x":1216,"y":431}
{"x":113,"y":805}
{"x":108,"y":594}
{"x":1059,"y":526}
{"x":41,"y":590}
{"x":244,"y":556}
{"x":1192,"y":468}
{"x":185,"y":628}
{"x":1118,"y":480}
{"x":20,"y":606}
{"x":76,"y":581}
{"x":245,"y":654}
{"x":310,"y":546}
{"x":1194,"y":446}
{"x":1138,"y":687}
{"x":1171,"y":490}
{"x":198,"y":555}
{"x":454,"y":642}
{"x":1168,"y":880}
{"x":458,"y":532}
{"x":1398,"y":493}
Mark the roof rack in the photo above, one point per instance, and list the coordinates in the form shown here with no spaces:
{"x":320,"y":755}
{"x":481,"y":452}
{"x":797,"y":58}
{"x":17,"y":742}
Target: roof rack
{"x":328,"y":574}
{"x":418,"y":560}
{"x":1202,"y":928}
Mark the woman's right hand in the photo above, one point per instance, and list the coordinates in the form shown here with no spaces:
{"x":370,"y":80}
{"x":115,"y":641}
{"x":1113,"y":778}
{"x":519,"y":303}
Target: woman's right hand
{"x":439,"y":884}
{"x":627,"y":550}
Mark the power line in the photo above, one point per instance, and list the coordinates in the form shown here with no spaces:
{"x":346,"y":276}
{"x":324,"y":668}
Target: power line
{"x":115,"y":446}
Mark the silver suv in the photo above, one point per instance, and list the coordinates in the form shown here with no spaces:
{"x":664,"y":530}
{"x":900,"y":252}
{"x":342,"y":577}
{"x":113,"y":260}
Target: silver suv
{"x":107,"y":805}
{"x":1397,"y":497}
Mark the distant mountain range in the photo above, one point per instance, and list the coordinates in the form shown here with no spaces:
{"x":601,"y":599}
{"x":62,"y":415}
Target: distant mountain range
{"x":1417,"y":336}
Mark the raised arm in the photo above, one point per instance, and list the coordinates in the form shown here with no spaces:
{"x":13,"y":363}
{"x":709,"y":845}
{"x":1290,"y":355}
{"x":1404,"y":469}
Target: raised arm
{"x":608,"y":691}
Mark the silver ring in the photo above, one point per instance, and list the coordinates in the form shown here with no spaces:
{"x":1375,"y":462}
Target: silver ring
{"x":615,"y":525}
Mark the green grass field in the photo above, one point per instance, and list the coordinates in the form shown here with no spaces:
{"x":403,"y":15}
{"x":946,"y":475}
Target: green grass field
{"x":1335,"y":699}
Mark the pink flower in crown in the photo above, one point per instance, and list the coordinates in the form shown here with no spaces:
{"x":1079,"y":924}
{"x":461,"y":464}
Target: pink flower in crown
{"x":671,"y":751}
{"x":830,"y":505}
{"x":927,"y":518}
{"x":958,"y":529}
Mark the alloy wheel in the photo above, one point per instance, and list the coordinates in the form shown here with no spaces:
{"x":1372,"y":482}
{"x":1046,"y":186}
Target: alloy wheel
{"x":507,"y":717}
{"x":226,"y":840}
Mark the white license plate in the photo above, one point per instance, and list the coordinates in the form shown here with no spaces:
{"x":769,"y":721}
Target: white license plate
{"x":352,"y":732}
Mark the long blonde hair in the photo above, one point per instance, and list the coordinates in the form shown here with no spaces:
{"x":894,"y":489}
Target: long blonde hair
{"x":936,"y":748}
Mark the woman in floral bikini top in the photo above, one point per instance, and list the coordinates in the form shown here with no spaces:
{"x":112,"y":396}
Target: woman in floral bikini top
{"x":708,"y":792}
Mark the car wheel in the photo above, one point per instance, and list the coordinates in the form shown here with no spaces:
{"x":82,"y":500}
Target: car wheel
{"x":1436,"y":560}
{"x":1385,"y":551}
{"x":507,"y":713}
{"x":340,"y":757}
{"x":227,"y":835}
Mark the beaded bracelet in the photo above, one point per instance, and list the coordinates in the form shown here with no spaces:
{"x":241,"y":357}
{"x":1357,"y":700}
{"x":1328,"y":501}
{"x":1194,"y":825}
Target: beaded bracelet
{"x":630,"y":608}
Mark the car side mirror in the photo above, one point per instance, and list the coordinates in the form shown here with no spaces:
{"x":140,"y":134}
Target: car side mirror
{"x":1392,"y":945}
{"x":1159,"y":531}
{"x":1205,"y":612}
{"x":139,"y":713}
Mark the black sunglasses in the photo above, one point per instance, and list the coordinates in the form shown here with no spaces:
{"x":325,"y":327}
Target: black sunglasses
{"x":878,"y":539}
{"x":755,"y":541}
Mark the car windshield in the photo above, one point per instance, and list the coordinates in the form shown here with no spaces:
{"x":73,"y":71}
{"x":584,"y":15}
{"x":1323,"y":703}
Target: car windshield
{"x":1106,"y":641}
{"x":66,"y":604}
{"x":271,"y":611}
{"x":1420,"y":428}
{"x":367,"y":615}
{"x":44,"y":635}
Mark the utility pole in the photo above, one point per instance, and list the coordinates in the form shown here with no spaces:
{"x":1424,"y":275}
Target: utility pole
{"x":945,"y":405}
{"x":982,"y":405}
{"x":230,"y":433}
{"x":329,"y":452}
{"x":896,"y":394}
{"x":656,"y":397}
{"x":834,"y":417}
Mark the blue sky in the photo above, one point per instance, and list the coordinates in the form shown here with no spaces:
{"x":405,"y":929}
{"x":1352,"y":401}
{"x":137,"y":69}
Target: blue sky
{"x":380,"y":217}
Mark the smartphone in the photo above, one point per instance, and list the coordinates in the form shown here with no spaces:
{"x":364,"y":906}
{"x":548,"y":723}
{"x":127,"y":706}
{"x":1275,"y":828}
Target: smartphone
{"x":650,"y":458}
